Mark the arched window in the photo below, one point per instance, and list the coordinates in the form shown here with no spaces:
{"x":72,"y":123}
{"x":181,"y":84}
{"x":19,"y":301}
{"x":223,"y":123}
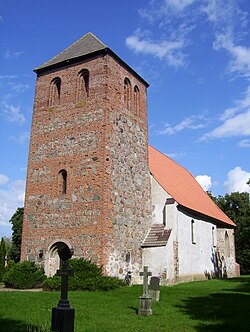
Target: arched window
{"x":136,"y":100}
{"x":55,"y":91}
{"x":82,"y":84}
{"x":213,"y":237}
{"x":192,"y":232}
{"x":164,"y":215}
{"x":227,"y":245}
{"x":62,"y":182}
{"x":127,"y":93}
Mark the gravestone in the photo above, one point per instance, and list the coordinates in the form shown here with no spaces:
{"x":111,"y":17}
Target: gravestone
{"x":155,"y":288}
{"x":145,"y":299}
{"x":63,"y":315}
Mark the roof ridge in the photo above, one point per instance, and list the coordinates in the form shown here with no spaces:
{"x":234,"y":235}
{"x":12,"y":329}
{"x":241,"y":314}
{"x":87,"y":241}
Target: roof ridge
{"x":75,"y":50}
{"x":77,"y":41}
{"x":93,"y":35}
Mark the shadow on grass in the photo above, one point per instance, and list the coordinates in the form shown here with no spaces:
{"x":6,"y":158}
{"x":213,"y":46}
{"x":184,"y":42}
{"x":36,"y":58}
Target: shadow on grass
{"x":8,"y":325}
{"x":134,"y":309}
{"x":227,"y":311}
{"x":244,"y":286}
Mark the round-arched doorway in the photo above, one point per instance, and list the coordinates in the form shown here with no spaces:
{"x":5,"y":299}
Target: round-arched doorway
{"x":52,"y":263}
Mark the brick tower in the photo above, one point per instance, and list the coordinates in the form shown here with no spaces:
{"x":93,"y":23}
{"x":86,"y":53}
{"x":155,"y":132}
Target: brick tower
{"x":88,"y":182}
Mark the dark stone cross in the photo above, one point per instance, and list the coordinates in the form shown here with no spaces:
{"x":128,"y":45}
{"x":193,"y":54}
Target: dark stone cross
{"x":64,"y":273}
{"x":145,"y":299}
{"x":63,"y":314}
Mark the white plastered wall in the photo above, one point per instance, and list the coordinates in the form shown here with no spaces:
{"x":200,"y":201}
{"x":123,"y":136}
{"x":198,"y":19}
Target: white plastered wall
{"x":195,"y":260}
{"x":197,"y":255}
{"x":160,"y":259}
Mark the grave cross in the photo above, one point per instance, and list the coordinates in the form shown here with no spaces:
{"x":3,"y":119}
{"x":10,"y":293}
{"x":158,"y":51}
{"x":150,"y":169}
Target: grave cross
{"x":63,"y":315}
{"x":145,"y":275}
{"x":64,"y":272}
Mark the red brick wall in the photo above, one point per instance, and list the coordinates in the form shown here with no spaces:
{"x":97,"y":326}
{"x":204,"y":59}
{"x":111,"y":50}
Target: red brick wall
{"x":103,"y":148}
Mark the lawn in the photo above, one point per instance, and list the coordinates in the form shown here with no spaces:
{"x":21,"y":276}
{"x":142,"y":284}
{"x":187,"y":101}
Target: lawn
{"x":213,"y":305}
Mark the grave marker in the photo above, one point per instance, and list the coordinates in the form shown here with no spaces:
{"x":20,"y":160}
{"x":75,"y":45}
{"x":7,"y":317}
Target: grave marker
{"x":63,"y":314}
{"x":155,"y":288}
{"x":145,"y":299}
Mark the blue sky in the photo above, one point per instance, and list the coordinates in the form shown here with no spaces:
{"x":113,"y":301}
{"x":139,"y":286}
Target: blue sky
{"x":194,"y":53}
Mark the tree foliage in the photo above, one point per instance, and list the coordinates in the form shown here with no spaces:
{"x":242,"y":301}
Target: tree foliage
{"x":17,"y":225}
{"x":8,"y":245}
{"x":237,"y":207}
{"x":2,"y":257}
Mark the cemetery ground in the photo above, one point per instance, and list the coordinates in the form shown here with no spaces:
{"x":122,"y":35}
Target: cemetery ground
{"x":212,"y":305}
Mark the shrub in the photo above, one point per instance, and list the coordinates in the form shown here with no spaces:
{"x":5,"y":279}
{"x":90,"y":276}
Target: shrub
{"x":87,"y":276}
{"x":24,"y":275}
{"x":52,"y":283}
{"x":85,"y":268}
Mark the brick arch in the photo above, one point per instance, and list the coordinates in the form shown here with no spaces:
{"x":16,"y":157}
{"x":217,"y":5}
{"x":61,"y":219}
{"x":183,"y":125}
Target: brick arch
{"x":227,"y":245}
{"x":136,"y":100}
{"x":55,"y":92}
{"x":62,"y":182}
{"x":52,"y":262}
{"x":127,"y":93}
{"x":82,"y":87}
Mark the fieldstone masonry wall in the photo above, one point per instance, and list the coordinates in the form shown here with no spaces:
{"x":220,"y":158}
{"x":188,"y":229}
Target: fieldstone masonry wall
{"x":226,"y":252}
{"x":131,"y":193}
{"x":106,"y":212}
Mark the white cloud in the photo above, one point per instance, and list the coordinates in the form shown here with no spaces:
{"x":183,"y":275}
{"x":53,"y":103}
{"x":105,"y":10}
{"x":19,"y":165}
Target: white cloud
{"x":7,"y":77}
{"x":240,"y":62}
{"x":10,"y":199}
{"x":223,"y":13}
{"x":22,"y":138}
{"x":235,"y":126}
{"x":210,"y":9}
{"x":170,"y":50}
{"x":12,"y":54}
{"x":179,"y":5}
{"x":12,"y":113}
{"x":3,"y":179}
{"x":235,"y":120}
{"x":192,"y":122}
{"x":178,"y":18}
{"x":237,"y":180}
{"x":245,"y":143}
{"x":175,"y":155}
{"x":20,"y":87}
{"x":205,"y":181}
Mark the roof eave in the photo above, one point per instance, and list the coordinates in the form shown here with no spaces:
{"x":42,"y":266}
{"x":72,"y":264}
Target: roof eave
{"x":42,"y":69}
{"x":202,"y":215}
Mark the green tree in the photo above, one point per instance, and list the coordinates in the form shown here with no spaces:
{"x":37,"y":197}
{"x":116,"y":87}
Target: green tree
{"x":2,"y":257}
{"x":237,"y":207}
{"x":17,"y":225}
{"x":8,"y":245}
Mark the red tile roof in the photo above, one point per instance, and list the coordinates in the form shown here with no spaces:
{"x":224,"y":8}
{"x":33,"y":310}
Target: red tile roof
{"x":182,"y":186}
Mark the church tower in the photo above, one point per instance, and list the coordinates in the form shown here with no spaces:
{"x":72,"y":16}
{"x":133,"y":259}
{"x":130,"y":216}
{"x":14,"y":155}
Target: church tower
{"x":88,"y":181}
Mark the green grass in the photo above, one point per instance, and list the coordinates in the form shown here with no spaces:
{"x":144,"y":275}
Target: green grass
{"x":214,"y":305}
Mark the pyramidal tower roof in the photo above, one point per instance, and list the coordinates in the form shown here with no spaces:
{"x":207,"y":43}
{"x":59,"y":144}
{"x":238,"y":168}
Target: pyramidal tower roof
{"x":87,"y":44}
